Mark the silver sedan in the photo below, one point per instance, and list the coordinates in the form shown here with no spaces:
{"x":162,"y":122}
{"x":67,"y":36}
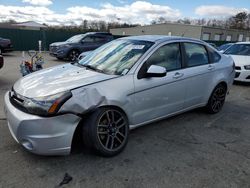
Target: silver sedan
{"x":124,"y":84}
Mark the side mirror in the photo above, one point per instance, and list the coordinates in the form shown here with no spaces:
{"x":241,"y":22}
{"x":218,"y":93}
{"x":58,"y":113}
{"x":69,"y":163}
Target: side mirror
{"x":156,"y":71}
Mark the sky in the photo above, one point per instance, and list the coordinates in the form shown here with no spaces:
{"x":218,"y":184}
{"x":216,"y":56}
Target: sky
{"x":68,"y":12}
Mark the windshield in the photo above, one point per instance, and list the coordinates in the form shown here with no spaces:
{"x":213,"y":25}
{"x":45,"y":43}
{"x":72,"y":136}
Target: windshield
{"x":75,"y":39}
{"x":238,"y":49}
{"x":224,"y":47}
{"x":116,"y":57}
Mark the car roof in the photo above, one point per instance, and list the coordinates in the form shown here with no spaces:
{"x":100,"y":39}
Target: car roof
{"x":161,"y":38}
{"x":242,"y":43}
{"x":99,"y":33}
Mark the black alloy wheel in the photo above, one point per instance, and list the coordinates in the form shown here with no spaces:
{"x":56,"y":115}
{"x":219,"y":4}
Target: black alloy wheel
{"x":106,"y":131}
{"x":217,"y":99}
{"x":73,"y":55}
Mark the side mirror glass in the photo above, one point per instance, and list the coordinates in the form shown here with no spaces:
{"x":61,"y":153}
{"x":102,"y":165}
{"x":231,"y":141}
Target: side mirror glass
{"x":156,"y":71}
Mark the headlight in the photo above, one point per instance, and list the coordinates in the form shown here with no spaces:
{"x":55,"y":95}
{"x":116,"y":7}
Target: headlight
{"x":65,"y":46}
{"x":46,"y":106}
{"x":247,"y":67}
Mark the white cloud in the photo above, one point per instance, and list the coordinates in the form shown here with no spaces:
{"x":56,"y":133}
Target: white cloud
{"x":138,"y":12}
{"x":218,"y":11}
{"x":26,"y":13}
{"x":38,"y":2}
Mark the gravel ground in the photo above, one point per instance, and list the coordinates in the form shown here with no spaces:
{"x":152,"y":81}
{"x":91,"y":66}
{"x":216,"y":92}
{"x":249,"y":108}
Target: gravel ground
{"x":193,"y":149}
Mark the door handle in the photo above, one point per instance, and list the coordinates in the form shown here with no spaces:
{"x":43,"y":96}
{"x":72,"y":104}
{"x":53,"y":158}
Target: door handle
{"x":210,"y":67}
{"x":178,"y":75}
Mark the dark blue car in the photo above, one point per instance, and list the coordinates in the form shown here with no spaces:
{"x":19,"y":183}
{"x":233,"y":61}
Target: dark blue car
{"x":77,"y":44}
{"x":1,"y":61}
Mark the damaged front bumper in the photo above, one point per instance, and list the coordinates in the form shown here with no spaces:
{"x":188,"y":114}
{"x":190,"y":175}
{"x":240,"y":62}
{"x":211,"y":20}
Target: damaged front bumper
{"x":41,"y":135}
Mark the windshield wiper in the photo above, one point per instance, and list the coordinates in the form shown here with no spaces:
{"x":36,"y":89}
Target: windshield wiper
{"x":92,"y":68}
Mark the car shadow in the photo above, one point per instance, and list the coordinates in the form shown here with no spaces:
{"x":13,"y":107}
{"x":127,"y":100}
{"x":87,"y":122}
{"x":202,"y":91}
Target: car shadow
{"x":242,"y":83}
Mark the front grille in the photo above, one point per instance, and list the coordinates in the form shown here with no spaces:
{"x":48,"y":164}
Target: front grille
{"x":237,"y":74}
{"x":237,"y":68}
{"x":53,"y":49}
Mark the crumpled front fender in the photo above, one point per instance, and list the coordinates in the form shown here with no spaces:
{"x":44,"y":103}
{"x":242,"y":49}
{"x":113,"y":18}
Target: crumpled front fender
{"x":83,"y":100}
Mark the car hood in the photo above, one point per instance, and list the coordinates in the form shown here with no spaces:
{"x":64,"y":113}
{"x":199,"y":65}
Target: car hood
{"x":57,"y":79}
{"x":241,"y":60}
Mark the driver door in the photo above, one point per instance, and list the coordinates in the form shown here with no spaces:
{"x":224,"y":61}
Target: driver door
{"x":156,"y":97}
{"x":89,"y":44}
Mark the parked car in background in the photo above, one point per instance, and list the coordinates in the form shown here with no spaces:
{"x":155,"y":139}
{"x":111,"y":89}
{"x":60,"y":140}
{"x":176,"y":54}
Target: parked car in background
{"x":224,"y":47}
{"x":212,"y":44}
{"x":1,"y":61}
{"x":5,"y":45}
{"x":240,"y":52}
{"x":83,"y":54}
{"x":122,"y":85}
{"x":77,"y":44}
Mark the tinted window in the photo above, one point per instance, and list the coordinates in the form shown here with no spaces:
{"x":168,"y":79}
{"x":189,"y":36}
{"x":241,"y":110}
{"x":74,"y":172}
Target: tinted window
{"x":214,"y":56}
{"x":89,"y":39}
{"x":224,"y":46}
{"x":100,"y":39}
{"x":167,"y":56}
{"x":239,"y":49}
{"x":196,"y":54}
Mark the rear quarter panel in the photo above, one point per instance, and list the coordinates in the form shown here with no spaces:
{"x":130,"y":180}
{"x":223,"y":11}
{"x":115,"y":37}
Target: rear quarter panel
{"x":223,"y":72}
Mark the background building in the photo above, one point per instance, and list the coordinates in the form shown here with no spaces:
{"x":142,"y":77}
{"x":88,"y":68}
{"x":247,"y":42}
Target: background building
{"x":30,"y":25}
{"x":194,"y":31}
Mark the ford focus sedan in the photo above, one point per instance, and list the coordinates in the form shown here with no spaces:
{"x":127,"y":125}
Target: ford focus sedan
{"x":124,"y":84}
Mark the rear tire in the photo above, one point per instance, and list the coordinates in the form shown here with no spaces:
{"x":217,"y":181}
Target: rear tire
{"x":106,"y":131}
{"x":217,"y":99}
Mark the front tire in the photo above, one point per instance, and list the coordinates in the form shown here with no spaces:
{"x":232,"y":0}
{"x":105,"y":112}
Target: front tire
{"x":73,"y":55}
{"x":106,"y":131}
{"x":217,"y":99}
{"x":59,"y":58}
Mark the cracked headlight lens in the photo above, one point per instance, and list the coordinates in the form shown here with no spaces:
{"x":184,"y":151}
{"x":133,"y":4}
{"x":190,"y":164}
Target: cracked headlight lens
{"x":45,"y":106}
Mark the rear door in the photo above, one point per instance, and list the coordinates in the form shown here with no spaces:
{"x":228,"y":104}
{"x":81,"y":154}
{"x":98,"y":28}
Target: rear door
{"x":198,"y":73}
{"x":157,"y":97}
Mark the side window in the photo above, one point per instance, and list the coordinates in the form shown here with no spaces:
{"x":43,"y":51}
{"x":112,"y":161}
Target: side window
{"x":167,"y":56}
{"x":89,"y":39}
{"x":196,"y":54}
{"x":100,"y":39}
{"x":214,"y":56}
